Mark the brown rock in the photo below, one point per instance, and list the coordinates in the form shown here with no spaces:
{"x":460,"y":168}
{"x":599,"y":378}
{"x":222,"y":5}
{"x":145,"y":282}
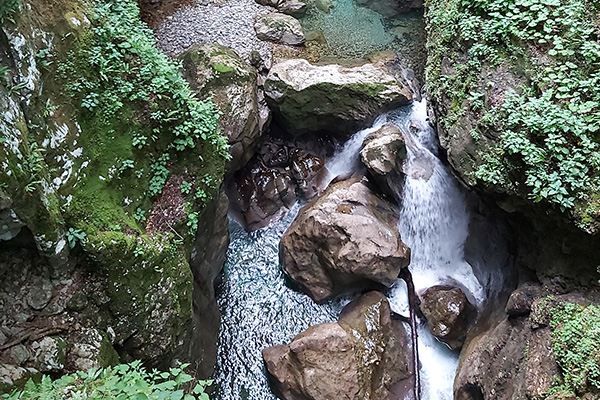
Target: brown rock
{"x":449,"y":314}
{"x":344,"y":241}
{"x":521,"y":300}
{"x":308,"y":171}
{"x":363,"y":356}
{"x":260,"y":194}
{"x":382,"y":154}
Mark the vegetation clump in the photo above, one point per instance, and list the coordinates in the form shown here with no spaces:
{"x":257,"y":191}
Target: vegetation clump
{"x":548,"y":125}
{"x":576,"y":338}
{"x":122,"y":382}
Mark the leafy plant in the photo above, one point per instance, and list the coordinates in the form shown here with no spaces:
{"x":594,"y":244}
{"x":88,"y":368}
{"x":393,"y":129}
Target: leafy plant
{"x":7,"y":9}
{"x":576,"y":339}
{"x":122,"y":382}
{"x":140,"y":215}
{"x":548,"y":130}
{"x":186,"y":187}
{"x":75,"y":236}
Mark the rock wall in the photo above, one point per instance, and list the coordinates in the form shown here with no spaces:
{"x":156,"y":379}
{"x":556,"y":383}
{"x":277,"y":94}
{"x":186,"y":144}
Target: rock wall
{"x":103,"y":213}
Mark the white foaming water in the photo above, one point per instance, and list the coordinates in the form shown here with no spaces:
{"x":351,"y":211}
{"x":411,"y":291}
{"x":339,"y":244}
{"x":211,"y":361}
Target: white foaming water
{"x":346,"y":160}
{"x":434,"y":223}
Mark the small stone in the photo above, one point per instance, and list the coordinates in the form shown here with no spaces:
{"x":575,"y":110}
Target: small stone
{"x":19,"y":354}
{"x":294,"y":8}
{"x":40,"y":293}
{"x":279,"y":28}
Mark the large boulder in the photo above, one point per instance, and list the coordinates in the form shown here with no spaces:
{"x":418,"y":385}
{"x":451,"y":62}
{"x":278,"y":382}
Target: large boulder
{"x":308,"y":98}
{"x":344,"y":241}
{"x":279,"y":28}
{"x":365,"y":355}
{"x":218,"y":72}
{"x":449,"y":314}
{"x":383,"y":154}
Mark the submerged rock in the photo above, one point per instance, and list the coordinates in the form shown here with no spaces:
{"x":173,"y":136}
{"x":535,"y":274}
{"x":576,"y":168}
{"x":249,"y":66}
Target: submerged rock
{"x":219,"y":72}
{"x":308,"y":98}
{"x":383,"y":154}
{"x":391,"y":8}
{"x":345,"y":240}
{"x":279,"y":28}
{"x":364,"y":355}
{"x":449,"y":314}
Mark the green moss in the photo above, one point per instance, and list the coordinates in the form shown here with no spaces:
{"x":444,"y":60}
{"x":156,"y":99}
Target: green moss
{"x":576,"y":340}
{"x":481,"y":52}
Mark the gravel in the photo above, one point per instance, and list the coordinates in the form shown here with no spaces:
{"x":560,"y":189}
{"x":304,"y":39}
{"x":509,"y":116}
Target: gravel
{"x":230,"y":24}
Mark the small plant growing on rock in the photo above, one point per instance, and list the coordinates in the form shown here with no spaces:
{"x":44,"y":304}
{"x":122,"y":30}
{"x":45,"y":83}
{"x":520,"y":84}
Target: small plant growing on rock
{"x":75,"y":236}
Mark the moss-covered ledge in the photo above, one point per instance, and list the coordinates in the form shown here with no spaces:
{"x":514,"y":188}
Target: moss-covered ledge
{"x":109,"y":161}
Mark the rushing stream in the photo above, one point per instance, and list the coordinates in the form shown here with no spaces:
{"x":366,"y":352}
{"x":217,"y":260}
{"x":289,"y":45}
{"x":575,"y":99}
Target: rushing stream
{"x":259,"y":310}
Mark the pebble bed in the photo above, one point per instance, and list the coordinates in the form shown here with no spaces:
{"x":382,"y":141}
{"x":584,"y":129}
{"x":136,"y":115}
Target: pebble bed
{"x":230,"y":24}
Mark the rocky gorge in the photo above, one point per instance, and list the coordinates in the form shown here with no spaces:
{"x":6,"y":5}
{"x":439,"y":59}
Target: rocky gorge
{"x":300,"y":199}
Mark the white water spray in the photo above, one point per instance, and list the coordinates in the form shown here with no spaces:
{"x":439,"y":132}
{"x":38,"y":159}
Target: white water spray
{"x":434,"y":223}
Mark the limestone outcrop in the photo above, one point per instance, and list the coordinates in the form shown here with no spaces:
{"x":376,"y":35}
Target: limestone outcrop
{"x":217,"y":72}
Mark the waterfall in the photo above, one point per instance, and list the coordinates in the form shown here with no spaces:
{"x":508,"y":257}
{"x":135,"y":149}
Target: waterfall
{"x":434,"y":223}
{"x":259,"y":310}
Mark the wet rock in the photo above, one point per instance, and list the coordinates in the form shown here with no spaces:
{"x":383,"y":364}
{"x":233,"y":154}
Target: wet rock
{"x":308,"y":98}
{"x":382,"y":154}
{"x":294,"y":8}
{"x":391,"y":8}
{"x":521,"y":300}
{"x":40,"y":293}
{"x":207,"y":261}
{"x":279,"y":28}
{"x":218,"y":71}
{"x":260,"y":195}
{"x":274,"y":155}
{"x":309,"y":172}
{"x":449,"y":314}
{"x":343,"y":241}
{"x":364,"y":355}
{"x":50,"y":354}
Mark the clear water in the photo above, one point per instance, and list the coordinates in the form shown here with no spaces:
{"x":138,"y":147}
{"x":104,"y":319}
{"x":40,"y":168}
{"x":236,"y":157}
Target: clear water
{"x":258,"y":310}
{"x":351,"y":31}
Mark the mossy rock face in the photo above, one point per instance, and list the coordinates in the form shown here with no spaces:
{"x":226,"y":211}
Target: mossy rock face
{"x":308,"y":98}
{"x":218,"y":72}
{"x":101,"y":207}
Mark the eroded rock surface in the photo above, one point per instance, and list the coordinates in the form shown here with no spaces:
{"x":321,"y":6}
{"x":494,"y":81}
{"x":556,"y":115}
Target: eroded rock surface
{"x":514,"y":357}
{"x":365,"y":355}
{"x":449,"y":314}
{"x":219,"y":72}
{"x":307,"y":98}
{"x":383,"y":153}
{"x":345,"y":240}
